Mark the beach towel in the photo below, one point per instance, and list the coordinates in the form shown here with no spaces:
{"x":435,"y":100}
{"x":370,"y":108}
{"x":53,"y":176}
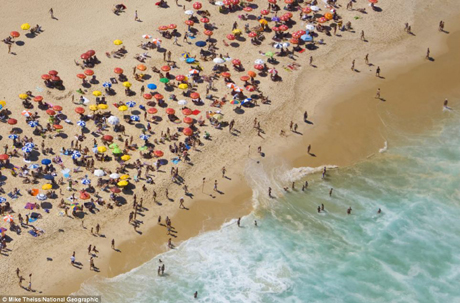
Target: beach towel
{"x":29,"y":206}
{"x":302,"y":50}
{"x":33,"y":233}
{"x":196,"y":112}
{"x":31,"y":220}
{"x":175,"y":160}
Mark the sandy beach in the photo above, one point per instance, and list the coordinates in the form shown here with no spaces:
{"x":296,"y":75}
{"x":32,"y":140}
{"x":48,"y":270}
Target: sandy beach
{"x":347,"y":123}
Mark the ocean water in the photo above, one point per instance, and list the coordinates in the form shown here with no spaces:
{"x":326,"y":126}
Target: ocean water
{"x":408,"y":253}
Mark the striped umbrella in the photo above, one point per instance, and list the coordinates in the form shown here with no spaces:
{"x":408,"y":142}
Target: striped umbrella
{"x":107,"y":84}
{"x":135,"y":118}
{"x":8,"y":218}
{"x":2,"y":199}
{"x":144,"y":137}
{"x":86,"y":181}
{"x":33,"y":123}
{"x":26,"y":149}
{"x":29,"y":144}
{"x":131,"y":104}
{"x":81,"y":123}
{"x":14,"y":137}
{"x":76,"y":154}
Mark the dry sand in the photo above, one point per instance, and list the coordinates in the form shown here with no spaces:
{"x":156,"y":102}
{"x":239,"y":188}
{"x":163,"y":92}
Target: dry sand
{"x":349,"y":124}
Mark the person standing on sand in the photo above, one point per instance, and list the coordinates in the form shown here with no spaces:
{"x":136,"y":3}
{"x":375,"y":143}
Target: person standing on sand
{"x":377,"y":95}
{"x":311,"y":60}
{"x":51,"y":11}
{"x":17,"y":271}
{"x":223,"y":172}
{"x":113,"y":243}
{"x":30,"y":283}
{"x":270,"y":192}
{"x":136,"y":18}
{"x":377,"y":72}
{"x":441,"y":26}
{"x":427,"y":54}
{"x":72,"y":259}
{"x":305,"y":116}
{"x":181,"y":201}
{"x":362,"y":36}
{"x":366,"y":59}
{"x":215,"y":185}
{"x":353,"y":66}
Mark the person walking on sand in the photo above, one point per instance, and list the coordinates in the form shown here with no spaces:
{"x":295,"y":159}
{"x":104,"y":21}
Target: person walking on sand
{"x":311,"y":60}
{"x":441,"y":26}
{"x":136,"y":18}
{"x":377,"y":72}
{"x":181,"y":201}
{"x":353,"y":66}
{"x":215,"y":185}
{"x":362,"y":36}
{"x":51,"y":11}
{"x":366,"y":59}
{"x":427,"y":54}
{"x":305,"y":116}
{"x":377,"y":95}
{"x":29,"y":288}
{"x":270,"y":192}
{"x":223,"y":172}
{"x":113,"y":243}
{"x":72,"y":259}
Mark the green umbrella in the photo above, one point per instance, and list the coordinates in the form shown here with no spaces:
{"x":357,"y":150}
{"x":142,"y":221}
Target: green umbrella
{"x":143,"y":148}
{"x":117,"y":151}
{"x":269,"y":54}
{"x":164,"y":80}
{"x":113,"y":145}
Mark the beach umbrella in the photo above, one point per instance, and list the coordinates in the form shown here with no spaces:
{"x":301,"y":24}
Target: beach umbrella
{"x":194,"y":95}
{"x":107,"y":84}
{"x":135,"y":118}
{"x":219,"y":3}
{"x":172,"y":26}
{"x":102,"y":106}
{"x":117,"y":151}
{"x":127,"y":84}
{"x":204,"y":20}
{"x":183,"y":86}
{"x":166,"y":68}
{"x":107,"y":138}
{"x":208,"y":32}
{"x":273,"y":71}
{"x":76,"y":154}
{"x":151,"y":86}
{"x":185,"y":55}
{"x":315,"y":8}
{"x":181,"y":77}
{"x":182,"y":102}
{"x":41,"y":197}
{"x":234,"y":102}
{"x":374,"y":1}
{"x":113,"y":120}
{"x":131,"y":104}
{"x":81,"y":76}
{"x":13,"y":137}
{"x":170,"y":111}
{"x":57,"y":108}
{"x":197,"y":5}
{"x":321,"y":20}
{"x":33,"y":123}
{"x":29,"y":144}
{"x":251,"y":74}
{"x":264,"y":12}
{"x":81,"y":123}
{"x":188,"y":120}
{"x":278,"y":45}
{"x":15,"y":34}
{"x":2,"y":199}
{"x":306,"y":38}
{"x":8,"y":218}
{"x":12,"y":121}
{"x":93,"y":107}
{"x":4,"y":157}
{"x":58,"y":126}
{"x":163,"y":27}
{"x":50,"y":112}
{"x":118,"y":70}
{"x":84,"y":195}
{"x":147,"y":96}
{"x":226,"y":75}
{"x":247,"y":100}
{"x":141,"y":67}
{"x":46,"y":77}
{"x":245,"y":78}
{"x":286,"y":44}
{"x":250,"y":88}
{"x":329,"y":16}
{"x":38,"y":98}
{"x":85,"y":56}
{"x":218,"y":60}
{"x":152,"y":110}
{"x":91,"y":52}
{"x":46,"y":161}
{"x":144,"y":137}
{"x":230,"y":37}
{"x":118,"y":42}
{"x":86,"y":181}
{"x":122,"y":183}
{"x":123,"y":108}
{"x":188,"y":131}
{"x":189,"y":22}
{"x":25,"y":26}
{"x":310,"y":27}
{"x":158,"y":153}
{"x":263,"y":21}
{"x":88,"y":72}
{"x":269,"y":54}
{"x":194,"y":72}
{"x":115,"y":190}
{"x":113,"y":145}
{"x":189,"y":12}
{"x":259,"y":61}
{"x":79,"y":110}
{"x":231,"y":85}
{"x":33,"y":166}
{"x":259,"y":66}
{"x":101,"y":149}
{"x":247,"y":9}
{"x":125,"y":157}
{"x":53,"y":72}
{"x":164,"y":80}
{"x":3,"y":103}
{"x":236,"y":62}
{"x":187,"y":111}
{"x":156,"y":41}
{"x":26,"y":149}
{"x":47,"y":186}
{"x":97,"y":93}
{"x":99,"y":173}
{"x":23,"y":96}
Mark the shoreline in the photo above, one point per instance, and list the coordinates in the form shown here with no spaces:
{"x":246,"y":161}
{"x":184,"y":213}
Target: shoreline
{"x":204,"y":215}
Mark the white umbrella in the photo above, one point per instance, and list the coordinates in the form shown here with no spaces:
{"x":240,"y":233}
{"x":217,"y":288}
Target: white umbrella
{"x":41,"y":197}
{"x":310,"y":27}
{"x":286,"y":44}
{"x":259,"y":61}
{"x":99,"y":173}
{"x":114,"y":176}
{"x":189,"y":12}
{"x":218,"y":60}
{"x":219,"y":3}
{"x":278,"y":45}
{"x":314,"y":8}
{"x":182,"y":102}
{"x":113,"y":120}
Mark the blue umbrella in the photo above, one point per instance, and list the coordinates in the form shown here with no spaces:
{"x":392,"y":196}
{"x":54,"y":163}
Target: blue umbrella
{"x":76,"y":154}
{"x":151,"y":86}
{"x":135,"y":118}
{"x":81,"y":123}
{"x":14,"y":137}
{"x":26,"y":149}
{"x":46,"y":161}
{"x":86,"y":181}
{"x":247,"y":100}
{"x":306,"y":38}
{"x":200,"y":43}
{"x":2,"y":199}
{"x":29,"y":145}
{"x":144,"y":137}
{"x":107,"y":84}
{"x":33,"y":166}
{"x":190,"y":60}
{"x":131,"y":103}
{"x":33,"y":123}
{"x":275,"y":19}
{"x":48,"y":177}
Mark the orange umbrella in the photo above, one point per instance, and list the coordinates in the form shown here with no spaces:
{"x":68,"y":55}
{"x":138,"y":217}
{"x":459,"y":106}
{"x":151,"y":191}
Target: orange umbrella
{"x":79,"y":110}
{"x":172,"y":26}
{"x":147,"y":96}
{"x":46,"y":77}
{"x":251,"y":74}
{"x":14,"y":34}
{"x":231,"y":37}
{"x":170,"y":111}
{"x":84,"y":195}
{"x":81,"y":76}
{"x":166,"y":68}
{"x":188,"y":120}
{"x":57,"y":108}
{"x":180,"y":77}
{"x":163,"y":27}
{"x":194,"y":95}
{"x":226,"y":75}
{"x":159,"y":96}
{"x":188,"y":131}
{"x":204,"y":20}
{"x":118,"y":70}
{"x":38,"y":98}
{"x":208,"y":32}
{"x":189,"y":22}
{"x":57,"y":126}
{"x":187,"y":111}
{"x":88,"y":72}
{"x":50,"y":112}
{"x":245,"y":78}
{"x":158,"y":153}
{"x":152,"y":110}
{"x":141,"y":67}
{"x":4,"y":157}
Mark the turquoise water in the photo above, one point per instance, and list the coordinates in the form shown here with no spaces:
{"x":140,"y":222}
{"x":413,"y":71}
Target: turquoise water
{"x":408,"y":253}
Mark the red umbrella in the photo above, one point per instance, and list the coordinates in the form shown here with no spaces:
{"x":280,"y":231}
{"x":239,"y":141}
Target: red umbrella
{"x":188,"y":120}
{"x":91,"y":52}
{"x":84,"y":195}
{"x":50,"y":112}
{"x":88,"y":72}
{"x":152,"y":110}
{"x":85,"y":56}
{"x":194,"y":95}
{"x":245,"y":78}
{"x":275,"y":29}
{"x":159,"y":96}
{"x":180,"y":77}
{"x":12,"y":121}
{"x":227,"y":2}
{"x":163,"y":27}
{"x":147,"y":96}
{"x":288,"y":15}
{"x":172,"y":26}
{"x":187,"y":111}
{"x":236,"y":62}
{"x":115,"y":190}
{"x":208,"y":32}
{"x":57,"y":108}
{"x":4,"y":157}
{"x":57,"y":126}
{"x":231,"y":37}
{"x":170,"y":111}
{"x":294,"y":41}
{"x":204,"y":20}
{"x":252,"y":34}
{"x":284,"y":18}
{"x":306,"y":10}
{"x":197,"y":5}
{"x":284,"y":27}
{"x":188,"y":131}
{"x":53,"y":73}
{"x":374,"y":1}
{"x":108,"y":138}
{"x":288,"y":1}
{"x":264,"y":12}
{"x":38,"y":98}
{"x":81,"y":76}
{"x":247,"y":9}
{"x":55,"y":78}
{"x":250,"y":88}
{"x":235,"y":2}
{"x":272,"y":1}
{"x":118,"y":70}
{"x":46,"y":77}
{"x":189,"y":22}
{"x":14,"y":34}
{"x":259,"y":66}
{"x":226,"y":75}
{"x":166,"y":68}
{"x":79,"y":110}
{"x":158,"y":153}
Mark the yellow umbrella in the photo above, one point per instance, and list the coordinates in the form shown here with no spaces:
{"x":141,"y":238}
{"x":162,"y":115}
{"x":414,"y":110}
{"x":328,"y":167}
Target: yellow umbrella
{"x":3,"y":103}
{"x":25,"y":26}
{"x":263,"y":21}
{"x":102,"y":106}
{"x":125,"y":157}
{"x":97,"y":93}
{"x":127,"y":84}
{"x":47,"y":186}
{"x":101,"y":149}
{"x":183,"y":86}
{"x":123,"y":108}
{"x":118,"y":42}
{"x":23,"y":96}
{"x":217,"y":116}
{"x":236,"y":31}
{"x":124,"y":177}
{"x":93,"y":107}
{"x":122,"y":183}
